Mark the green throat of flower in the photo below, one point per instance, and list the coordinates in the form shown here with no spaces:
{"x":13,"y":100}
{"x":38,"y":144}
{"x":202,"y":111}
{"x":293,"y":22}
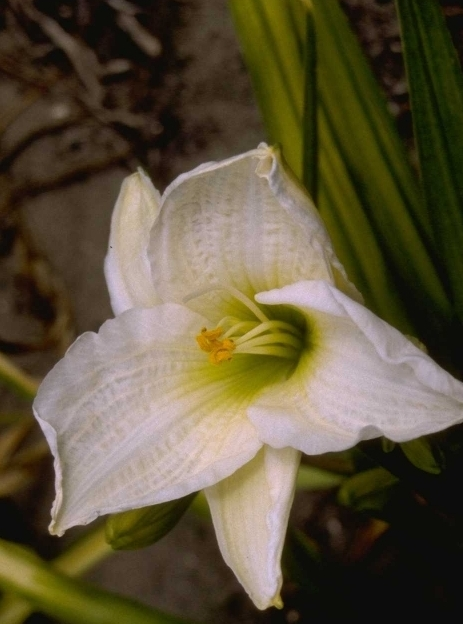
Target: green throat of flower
{"x":263,"y":336}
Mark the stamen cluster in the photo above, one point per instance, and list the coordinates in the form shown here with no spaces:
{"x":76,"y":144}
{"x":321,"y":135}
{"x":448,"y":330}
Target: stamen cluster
{"x":260,"y":337}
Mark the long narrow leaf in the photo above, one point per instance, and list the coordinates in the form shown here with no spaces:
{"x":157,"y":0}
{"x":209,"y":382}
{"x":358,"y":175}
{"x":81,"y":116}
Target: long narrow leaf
{"x":69,"y":600}
{"x":436,"y":92}
{"x":344,"y":215}
{"x":370,"y":148}
{"x":310,"y":167}
{"x":272,"y":40}
{"x":20,"y":382}
{"x":81,"y":556}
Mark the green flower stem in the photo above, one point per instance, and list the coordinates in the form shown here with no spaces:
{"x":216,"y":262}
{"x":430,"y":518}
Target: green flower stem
{"x":23,"y":384}
{"x":84,"y":553}
{"x":76,"y":560}
{"x":49,"y":590}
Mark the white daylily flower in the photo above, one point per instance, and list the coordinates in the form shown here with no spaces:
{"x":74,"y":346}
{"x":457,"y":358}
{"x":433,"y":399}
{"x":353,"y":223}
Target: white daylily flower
{"x":238,"y":343}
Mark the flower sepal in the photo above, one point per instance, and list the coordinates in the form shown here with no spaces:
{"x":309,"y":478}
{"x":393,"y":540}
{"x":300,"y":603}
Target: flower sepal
{"x":138,"y":528}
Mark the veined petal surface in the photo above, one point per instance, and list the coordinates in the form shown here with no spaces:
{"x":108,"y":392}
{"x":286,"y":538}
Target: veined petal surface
{"x":136,"y":415}
{"x":243,"y":223}
{"x":357,"y":379}
{"x":127,"y":268}
{"x":250,"y":512}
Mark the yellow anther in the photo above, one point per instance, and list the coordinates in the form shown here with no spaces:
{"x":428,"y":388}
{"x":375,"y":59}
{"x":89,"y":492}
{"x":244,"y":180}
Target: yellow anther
{"x":219,"y":350}
{"x":208,"y":339}
{"x":222,"y":353}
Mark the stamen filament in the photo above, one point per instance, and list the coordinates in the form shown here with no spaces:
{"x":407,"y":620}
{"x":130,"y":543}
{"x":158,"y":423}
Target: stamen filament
{"x":229,"y":320}
{"x":279,"y":339}
{"x":248,"y":303}
{"x":235,"y":293}
{"x":282,"y":352}
{"x":238,"y":327}
{"x":269,"y":326}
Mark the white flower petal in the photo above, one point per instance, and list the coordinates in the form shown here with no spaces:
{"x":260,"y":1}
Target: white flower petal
{"x":358,"y":379}
{"x":245,"y":223}
{"x":127,"y":268}
{"x":250,"y":512}
{"x":136,"y":415}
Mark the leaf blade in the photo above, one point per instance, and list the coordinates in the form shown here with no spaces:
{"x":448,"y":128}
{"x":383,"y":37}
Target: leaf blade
{"x":436,"y":93}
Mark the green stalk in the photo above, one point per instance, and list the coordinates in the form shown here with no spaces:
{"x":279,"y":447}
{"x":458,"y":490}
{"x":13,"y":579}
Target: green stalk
{"x":313,"y":478}
{"x":75,"y":561}
{"x":21,"y":383}
{"x":71,"y":601}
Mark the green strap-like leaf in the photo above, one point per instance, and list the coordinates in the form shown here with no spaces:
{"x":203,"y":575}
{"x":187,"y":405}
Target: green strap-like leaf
{"x":436,"y":92}
{"x":383,"y":217}
{"x":81,"y":556}
{"x":272,"y":37}
{"x":310,"y":168}
{"x":369,"y":489}
{"x":424,"y":455}
{"x":68,"y":600}
{"x":21,"y":383}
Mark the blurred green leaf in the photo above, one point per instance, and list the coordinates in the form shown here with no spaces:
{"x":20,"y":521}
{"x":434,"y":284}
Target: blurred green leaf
{"x":302,"y":561}
{"x":436,"y":92}
{"x":11,"y":439}
{"x":18,"y":381}
{"x":82,"y":555}
{"x":442,"y":490}
{"x":423,"y":455}
{"x":138,"y":528}
{"x":313,"y":478}
{"x":19,"y":456}
{"x":387,"y":445}
{"x":368,"y":490}
{"x":11,"y":418}
{"x":69,"y":600}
